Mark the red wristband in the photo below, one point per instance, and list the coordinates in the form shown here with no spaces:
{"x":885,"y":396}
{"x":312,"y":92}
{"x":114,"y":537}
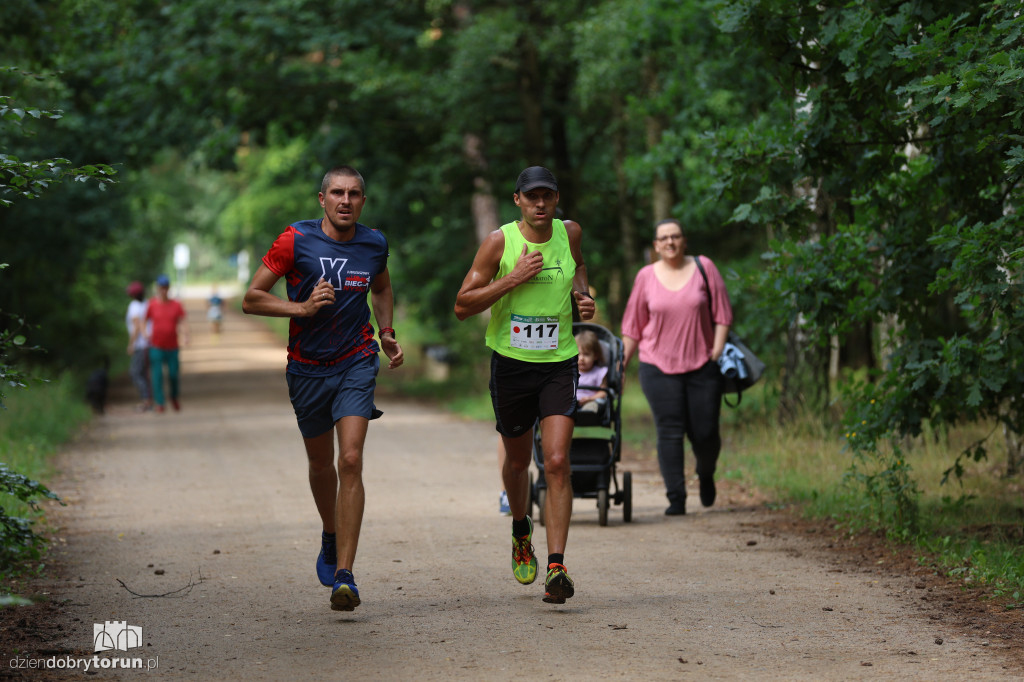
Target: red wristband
{"x":386,"y":330}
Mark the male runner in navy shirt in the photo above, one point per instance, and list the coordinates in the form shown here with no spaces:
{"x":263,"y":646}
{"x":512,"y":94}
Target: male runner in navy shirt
{"x":329,"y":264}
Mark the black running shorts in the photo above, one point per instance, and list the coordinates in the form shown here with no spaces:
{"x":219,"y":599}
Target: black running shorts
{"x":523,"y":392}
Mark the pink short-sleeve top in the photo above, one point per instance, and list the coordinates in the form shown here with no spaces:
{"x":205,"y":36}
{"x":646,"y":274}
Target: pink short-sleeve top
{"x":673,"y":328}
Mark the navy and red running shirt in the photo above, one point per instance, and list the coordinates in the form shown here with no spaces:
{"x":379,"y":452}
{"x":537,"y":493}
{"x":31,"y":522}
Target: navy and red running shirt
{"x":340,"y":333}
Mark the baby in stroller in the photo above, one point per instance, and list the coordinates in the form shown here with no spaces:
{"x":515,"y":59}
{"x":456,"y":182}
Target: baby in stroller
{"x":593,"y":373}
{"x":595,"y":450}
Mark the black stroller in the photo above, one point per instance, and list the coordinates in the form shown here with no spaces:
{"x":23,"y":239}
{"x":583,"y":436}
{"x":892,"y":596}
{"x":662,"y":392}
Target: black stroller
{"x":597,"y":442}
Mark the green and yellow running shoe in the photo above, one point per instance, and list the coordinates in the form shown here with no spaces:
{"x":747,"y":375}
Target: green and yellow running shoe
{"x":558,"y":585}
{"x":524,"y":563}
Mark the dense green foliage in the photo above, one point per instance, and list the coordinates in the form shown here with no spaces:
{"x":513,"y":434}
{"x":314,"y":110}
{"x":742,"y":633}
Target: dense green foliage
{"x":17,"y":539}
{"x":58,"y":229}
{"x":35,"y":424}
{"x":859,"y":161}
{"x":24,"y":179}
{"x":893,"y":193}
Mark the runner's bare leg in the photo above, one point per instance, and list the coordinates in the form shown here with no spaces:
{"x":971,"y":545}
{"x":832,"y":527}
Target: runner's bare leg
{"x":556,"y":436}
{"x":515,"y":471}
{"x":323,"y":477}
{"x":351,"y":495}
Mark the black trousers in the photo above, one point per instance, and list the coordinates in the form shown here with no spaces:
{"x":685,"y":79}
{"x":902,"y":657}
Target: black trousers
{"x":687,"y":404}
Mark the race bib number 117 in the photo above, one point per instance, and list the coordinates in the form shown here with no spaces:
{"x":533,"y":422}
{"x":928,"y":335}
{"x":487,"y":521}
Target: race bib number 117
{"x":534,"y":333}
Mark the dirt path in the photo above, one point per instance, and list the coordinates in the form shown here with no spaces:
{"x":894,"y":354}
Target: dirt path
{"x":213,"y":503}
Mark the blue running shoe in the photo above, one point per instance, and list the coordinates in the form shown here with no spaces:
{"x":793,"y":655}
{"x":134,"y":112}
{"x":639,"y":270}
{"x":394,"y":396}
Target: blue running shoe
{"x":503,"y":507}
{"x":345,"y":596}
{"x":327,"y":561}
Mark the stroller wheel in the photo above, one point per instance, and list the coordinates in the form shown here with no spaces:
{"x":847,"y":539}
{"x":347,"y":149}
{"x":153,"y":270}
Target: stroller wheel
{"x":602,"y":507}
{"x":627,"y":496}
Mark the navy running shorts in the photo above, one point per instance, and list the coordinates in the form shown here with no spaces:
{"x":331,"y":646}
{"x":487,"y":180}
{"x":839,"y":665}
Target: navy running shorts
{"x":319,"y":402}
{"x":523,"y":392}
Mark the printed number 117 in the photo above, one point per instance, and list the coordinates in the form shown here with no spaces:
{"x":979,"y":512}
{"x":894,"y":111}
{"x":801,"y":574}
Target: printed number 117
{"x":540,"y":330}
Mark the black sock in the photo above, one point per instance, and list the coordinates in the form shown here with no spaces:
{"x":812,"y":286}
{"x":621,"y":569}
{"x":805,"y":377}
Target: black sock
{"x":327,"y":536}
{"x":556,"y":559}
{"x":520,"y":528}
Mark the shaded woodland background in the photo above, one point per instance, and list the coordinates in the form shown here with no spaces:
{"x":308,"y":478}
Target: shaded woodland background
{"x":854,"y":168}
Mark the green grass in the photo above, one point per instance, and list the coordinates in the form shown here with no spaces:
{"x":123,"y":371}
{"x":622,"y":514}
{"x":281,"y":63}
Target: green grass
{"x":969,"y":529}
{"x":37,"y":422}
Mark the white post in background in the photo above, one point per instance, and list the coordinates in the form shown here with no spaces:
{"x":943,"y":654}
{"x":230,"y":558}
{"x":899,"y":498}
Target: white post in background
{"x":181,"y":257}
{"x":243,"y":269}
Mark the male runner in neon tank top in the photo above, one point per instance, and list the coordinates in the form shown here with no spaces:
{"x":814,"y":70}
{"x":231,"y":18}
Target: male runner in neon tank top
{"x":329,"y":264}
{"x":528,"y":272}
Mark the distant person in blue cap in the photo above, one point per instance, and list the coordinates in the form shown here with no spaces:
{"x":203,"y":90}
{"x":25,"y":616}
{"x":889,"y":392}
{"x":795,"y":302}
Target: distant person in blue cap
{"x":167,"y":319}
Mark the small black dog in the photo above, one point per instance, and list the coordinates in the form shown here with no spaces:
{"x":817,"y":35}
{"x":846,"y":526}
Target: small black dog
{"x":96,"y":390}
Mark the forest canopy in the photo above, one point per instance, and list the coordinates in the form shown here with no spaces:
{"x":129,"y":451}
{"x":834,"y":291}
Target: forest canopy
{"x":853,"y":167}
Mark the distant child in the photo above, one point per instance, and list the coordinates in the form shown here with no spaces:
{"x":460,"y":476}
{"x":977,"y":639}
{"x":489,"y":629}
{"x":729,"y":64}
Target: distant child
{"x":593,"y":373}
{"x":215,"y":312}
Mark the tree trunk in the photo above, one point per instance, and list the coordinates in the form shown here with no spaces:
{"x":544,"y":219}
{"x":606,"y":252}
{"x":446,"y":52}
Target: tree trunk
{"x":789,"y":394}
{"x":531,"y":95}
{"x":562,"y":164}
{"x":1014,"y":452}
{"x":483,"y":203}
{"x":663,"y":198}
{"x":857,"y":350}
{"x":805,"y":379}
{"x":1014,"y":438}
{"x":630,"y":261}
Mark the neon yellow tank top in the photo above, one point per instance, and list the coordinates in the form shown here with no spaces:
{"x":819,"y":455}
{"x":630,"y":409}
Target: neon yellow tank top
{"x":533,"y":322}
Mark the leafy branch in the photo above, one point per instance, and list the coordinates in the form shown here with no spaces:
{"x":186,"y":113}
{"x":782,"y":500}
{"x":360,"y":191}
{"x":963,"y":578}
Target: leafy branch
{"x":28,"y":179}
{"x":17,"y":539}
{"x":11,"y":340}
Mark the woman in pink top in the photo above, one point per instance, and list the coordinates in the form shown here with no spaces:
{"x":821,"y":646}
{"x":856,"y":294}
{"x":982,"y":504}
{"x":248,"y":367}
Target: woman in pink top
{"x":668,"y":319}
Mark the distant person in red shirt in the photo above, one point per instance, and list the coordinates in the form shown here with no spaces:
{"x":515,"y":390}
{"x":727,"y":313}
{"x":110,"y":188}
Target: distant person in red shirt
{"x":167,"y":317}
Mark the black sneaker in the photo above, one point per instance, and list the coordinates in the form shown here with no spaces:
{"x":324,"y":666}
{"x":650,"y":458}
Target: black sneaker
{"x":707,"y":490}
{"x":674,"y":510}
{"x":558,"y":587}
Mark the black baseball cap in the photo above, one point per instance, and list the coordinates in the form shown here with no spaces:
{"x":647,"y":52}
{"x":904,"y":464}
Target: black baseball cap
{"x":534,"y":177}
